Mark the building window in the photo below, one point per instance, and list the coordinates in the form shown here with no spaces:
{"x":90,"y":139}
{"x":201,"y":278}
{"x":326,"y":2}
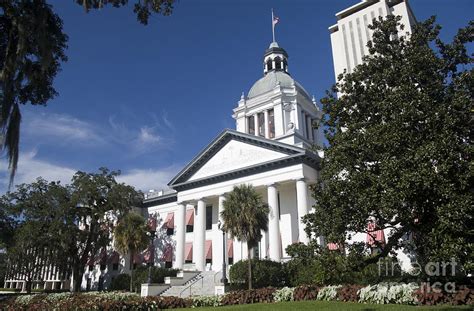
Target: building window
{"x":168,"y":264}
{"x":189,"y":228}
{"x":231,"y":260}
{"x":261,"y":124}
{"x":102,"y":267}
{"x":308,"y":127}
{"x":91,"y":267}
{"x":271,"y":123}
{"x":209,"y":217}
{"x":169,"y":231}
{"x":277,"y":63}
{"x":251,"y":125}
{"x":115,"y":266}
{"x":269,"y":65}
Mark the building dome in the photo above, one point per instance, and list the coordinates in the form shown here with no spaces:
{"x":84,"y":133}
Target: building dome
{"x":275,"y":70}
{"x":271,"y":80}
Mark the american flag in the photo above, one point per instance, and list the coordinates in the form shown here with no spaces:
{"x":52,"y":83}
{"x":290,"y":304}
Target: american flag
{"x":276,"y":19}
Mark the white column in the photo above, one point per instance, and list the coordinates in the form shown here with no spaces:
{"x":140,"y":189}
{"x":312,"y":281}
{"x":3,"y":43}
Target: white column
{"x":221,"y":243}
{"x":267,"y":128}
{"x":199,"y":235}
{"x":302,"y":203}
{"x":180,"y":235}
{"x":255,"y":121}
{"x":273,"y":224}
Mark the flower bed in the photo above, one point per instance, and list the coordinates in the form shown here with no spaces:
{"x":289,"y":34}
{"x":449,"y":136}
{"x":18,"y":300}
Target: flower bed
{"x":382,"y":293}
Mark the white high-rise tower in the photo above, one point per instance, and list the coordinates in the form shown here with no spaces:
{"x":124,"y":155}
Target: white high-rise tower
{"x":350,"y":35}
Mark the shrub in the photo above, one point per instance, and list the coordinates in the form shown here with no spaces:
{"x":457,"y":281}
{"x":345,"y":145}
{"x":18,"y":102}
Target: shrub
{"x":264,"y":273}
{"x":388,"y":293}
{"x":92,"y":301}
{"x":283,"y":294}
{"x":207,"y":301}
{"x":120,"y":282}
{"x":328,"y":292}
{"x":248,"y":296}
{"x":428,"y":296}
{"x":305,"y":292}
{"x":349,"y":293}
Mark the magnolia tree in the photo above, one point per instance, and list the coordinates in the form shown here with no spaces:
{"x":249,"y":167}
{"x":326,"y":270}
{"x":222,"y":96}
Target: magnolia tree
{"x":400,"y":146}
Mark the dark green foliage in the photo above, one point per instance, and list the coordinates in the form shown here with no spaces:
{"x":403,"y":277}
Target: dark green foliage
{"x":130,"y":237}
{"x":120,"y":282}
{"x":264,"y":273}
{"x":245,"y":216}
{"x":400,"y":146}
{"x":311,"y":264}
{"x":51,"y":212}
{"x":143,"y":9}
{"x":305,"y":292}
{"x":249,"y":296}
{"x":158,"y":274}
{"x":32,"y":45}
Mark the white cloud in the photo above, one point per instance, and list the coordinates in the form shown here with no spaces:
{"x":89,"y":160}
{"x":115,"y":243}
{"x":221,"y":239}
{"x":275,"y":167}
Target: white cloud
{"x":146,"y":179}
{"x":60,"y":128}
{"x":30,"y":168}
{"x":147,"y":136}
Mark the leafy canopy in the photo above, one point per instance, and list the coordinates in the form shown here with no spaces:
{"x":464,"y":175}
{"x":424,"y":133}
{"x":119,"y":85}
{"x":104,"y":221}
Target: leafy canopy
{"x":400,"y":145}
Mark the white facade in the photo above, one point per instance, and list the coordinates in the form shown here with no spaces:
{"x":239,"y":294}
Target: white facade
{"x":350,"y":35}
{"x":269,"y":150}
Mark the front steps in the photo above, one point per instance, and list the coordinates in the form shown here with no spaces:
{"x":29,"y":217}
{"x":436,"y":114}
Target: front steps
{"x":192,"y":283}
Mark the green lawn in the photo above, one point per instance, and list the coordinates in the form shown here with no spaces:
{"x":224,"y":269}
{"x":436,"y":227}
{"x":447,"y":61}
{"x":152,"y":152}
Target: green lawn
{"x":330,"y":306}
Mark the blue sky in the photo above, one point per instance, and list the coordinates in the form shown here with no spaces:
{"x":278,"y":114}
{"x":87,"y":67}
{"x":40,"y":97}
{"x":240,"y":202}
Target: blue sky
{"x":146,"y":99}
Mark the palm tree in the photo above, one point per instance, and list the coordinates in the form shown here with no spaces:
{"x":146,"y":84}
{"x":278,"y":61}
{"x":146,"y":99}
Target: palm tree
{"x":245,"y":215}
{"x":131,"y":237}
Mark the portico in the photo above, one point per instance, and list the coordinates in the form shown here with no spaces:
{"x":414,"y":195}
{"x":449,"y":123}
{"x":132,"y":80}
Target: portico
{"x":270,"y":150}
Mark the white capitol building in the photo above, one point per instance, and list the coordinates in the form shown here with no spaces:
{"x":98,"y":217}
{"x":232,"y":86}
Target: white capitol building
{"x":273,"y":148}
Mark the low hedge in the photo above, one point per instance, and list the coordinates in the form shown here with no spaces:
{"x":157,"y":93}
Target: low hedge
{"x":382,"y":293}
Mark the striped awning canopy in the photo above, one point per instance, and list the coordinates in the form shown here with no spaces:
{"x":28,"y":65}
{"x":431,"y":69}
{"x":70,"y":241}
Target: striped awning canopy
{"x":208,"y":249}
{"x":230,"y":248}
{"x":375,"y":236}
{"x":189,"y":217}
{"x":188,"y":251}
{"x":169,"y":221}
{"x":167,"y":253}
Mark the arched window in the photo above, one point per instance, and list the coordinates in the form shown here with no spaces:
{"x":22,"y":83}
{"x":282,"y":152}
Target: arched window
{"x":285,"y":64}
{"x":277,"y":62}
{"x":269,"y":64}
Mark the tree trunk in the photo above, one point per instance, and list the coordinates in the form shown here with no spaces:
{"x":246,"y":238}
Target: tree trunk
{"x":77,"y":279}
{"x":131,"y":271}
{"x":249,"y":259}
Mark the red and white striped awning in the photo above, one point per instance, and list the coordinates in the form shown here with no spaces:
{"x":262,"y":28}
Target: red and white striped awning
{"x":333,"y":246}
{"x":168,"y":253}
{"x":188,"y":251}
{"x":208,"y":249}
{"x":374,"y":236}
{"x":190,"y":217}
{"x":169,"y":221}
{"x":152,"y":223}
{"x":230,"y":248}
{"x":149,"y":255}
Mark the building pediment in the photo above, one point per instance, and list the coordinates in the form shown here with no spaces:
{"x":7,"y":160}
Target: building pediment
{"x":234,"y":153}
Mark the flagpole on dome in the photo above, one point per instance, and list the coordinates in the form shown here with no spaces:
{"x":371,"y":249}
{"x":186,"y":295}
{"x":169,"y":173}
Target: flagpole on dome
{"x":275,"y":20}
{"x":273,"y":26}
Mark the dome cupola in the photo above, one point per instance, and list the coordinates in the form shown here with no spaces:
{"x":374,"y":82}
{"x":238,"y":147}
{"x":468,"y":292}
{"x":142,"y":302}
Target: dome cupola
{"x":275,"y":59}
